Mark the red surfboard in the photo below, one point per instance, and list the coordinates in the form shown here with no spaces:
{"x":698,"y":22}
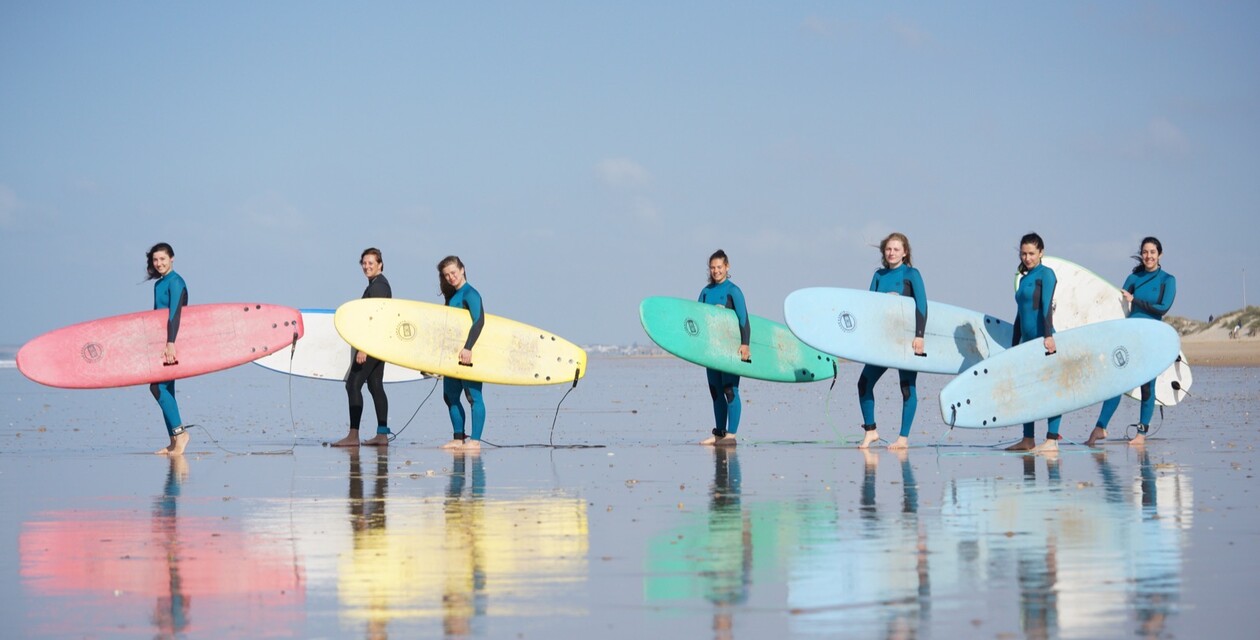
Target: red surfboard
{"x":126,"y":350}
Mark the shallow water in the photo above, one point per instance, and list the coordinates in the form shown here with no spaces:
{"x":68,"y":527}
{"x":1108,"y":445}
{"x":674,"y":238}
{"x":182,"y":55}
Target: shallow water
{"x":793,"y":534}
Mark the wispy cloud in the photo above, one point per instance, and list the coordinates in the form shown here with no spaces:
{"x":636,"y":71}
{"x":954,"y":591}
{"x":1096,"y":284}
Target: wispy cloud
{"x":826,"y":28}
{"x":1164,"y":137}
{"x":622,"y":173}
{"x":909,"y":34}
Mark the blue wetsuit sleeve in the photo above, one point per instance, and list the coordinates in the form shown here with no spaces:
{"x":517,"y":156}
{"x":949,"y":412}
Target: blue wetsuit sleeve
{"x":920,"y":303}
{"x":1047,"y":300}
{"x":1161,"y":305}
{"x":875,"y":281}
{"x":179,"y":298}
{"x":472,"y":302}
{"x":741,"y":312}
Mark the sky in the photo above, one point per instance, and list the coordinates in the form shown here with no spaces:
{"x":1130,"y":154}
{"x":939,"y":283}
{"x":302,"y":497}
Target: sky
{"x":581,"y":156}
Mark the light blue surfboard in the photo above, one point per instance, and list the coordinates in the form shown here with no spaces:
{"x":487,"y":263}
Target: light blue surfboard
{"x":1091,"y":364}
{"x":878,"y":328}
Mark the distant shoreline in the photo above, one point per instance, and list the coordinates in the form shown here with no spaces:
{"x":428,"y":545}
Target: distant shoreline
{"x":1242,"y":352}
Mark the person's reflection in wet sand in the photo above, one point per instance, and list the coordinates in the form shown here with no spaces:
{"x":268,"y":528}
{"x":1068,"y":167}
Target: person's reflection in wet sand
{"x":1156,"y":574}
{"x":367,"y":518}
{"x":1113,"y":493}
{"x":1037,"y":570}
{"x":903,"y":622}
{"x":730,"y":531}
{"x":171,"y":613}
{"x":464,"y":594}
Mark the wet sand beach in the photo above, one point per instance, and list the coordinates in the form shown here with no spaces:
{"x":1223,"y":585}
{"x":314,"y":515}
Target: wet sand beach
{"x":793,"y":533}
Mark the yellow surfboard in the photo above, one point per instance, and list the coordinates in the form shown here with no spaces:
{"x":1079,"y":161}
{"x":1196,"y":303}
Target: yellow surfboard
{"x":428,"y":337}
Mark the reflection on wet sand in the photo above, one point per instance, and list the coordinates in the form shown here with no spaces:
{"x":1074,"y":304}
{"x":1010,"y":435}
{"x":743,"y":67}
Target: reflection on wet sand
{"x":175,"y":573}
{"x":1079,"y":562}
{"x":871,"y":575}
{"x":461,"y":559}
{"x":712,"y":560}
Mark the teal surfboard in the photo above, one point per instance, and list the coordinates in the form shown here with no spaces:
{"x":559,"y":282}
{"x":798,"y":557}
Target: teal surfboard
{"x":878,"y":328}
{"x":708,"y":335}
{"x":1092,"y":363}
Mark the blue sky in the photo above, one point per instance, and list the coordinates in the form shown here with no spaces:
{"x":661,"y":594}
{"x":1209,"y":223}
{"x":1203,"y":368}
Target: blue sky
{"x":582,"y":156}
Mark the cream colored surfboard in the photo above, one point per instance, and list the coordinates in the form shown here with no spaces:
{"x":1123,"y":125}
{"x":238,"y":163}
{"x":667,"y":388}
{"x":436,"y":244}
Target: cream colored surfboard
{"x":428,"y":337}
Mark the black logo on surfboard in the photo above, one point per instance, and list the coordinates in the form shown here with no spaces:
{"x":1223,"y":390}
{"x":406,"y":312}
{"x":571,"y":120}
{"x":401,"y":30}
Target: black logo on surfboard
{"x":846,"y":321}
{"x":1120,"y":357}
{"x":92,"y":352}
{"x":406,"y":331}
{"x":691,"y":327}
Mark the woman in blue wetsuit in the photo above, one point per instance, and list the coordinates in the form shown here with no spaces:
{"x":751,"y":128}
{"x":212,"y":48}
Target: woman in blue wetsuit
{"x":458,"y":293}
{"x":724,"y":387}
{"x":1034,"y":319}
{"x":897,"y":277}
{"x":1149,"y":291}
{"x":169,"y":292}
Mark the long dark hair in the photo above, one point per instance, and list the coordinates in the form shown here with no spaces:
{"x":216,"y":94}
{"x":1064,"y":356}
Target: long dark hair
{"x":447,"y":289}
{"x":1034,"y":240}
{"x":905,"y":244}
{"x":719,"y":254}
{"x":1159,"y":248}
{"x":148,"y":258}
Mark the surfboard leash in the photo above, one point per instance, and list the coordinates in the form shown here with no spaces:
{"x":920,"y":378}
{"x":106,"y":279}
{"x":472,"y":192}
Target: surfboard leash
{"x":394,"y":436}
{"x":551,"y":438}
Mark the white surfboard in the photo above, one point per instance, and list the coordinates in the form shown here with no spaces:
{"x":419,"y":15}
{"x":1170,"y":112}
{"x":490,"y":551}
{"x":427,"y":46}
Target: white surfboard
{"x":1092,"y":363}
{"x":878,"y":328}
{"x":323,"y":355}
{"x":1083,"y":297}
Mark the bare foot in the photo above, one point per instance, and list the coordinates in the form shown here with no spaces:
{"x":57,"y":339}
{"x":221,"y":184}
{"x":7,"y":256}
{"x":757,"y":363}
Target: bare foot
{"x":1138,"y":440}
{"x":379,"y":440}
{"x":177,"y":445}
{"x":1024,"y":444}
{"x":869,"y":438}
{"x":714,"y":441}
{"x":902,"y":444}
{"x":1097,"y":434}
{"x":455,"y":443}
{"x":471,"y":445}
{"x":164,"y":451}
{"x":1049,"y":446}
{"x":351,"y":440}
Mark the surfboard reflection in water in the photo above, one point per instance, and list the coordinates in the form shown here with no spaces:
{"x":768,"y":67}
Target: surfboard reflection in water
{"x":457,"y":559}
{"x":129,"y":569}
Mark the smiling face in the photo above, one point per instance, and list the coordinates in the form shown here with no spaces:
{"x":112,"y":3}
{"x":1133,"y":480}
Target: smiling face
{"x":453,"y":274}
{"x":162,"y":262}
{"x":371,"y":266}
{"x":1029,"y":255}
{"x":894,"y":253}
{"x":718,"y":269}
{"x":1150,"y":256}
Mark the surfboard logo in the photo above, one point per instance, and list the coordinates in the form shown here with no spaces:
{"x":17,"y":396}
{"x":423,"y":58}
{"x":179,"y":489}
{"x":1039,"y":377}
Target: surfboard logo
{"x":92,"y":352}
{"x":405,"y":331}
{"x":1120,"y":357}
{"x":846,"y":322}
{"x":691,"y":327}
